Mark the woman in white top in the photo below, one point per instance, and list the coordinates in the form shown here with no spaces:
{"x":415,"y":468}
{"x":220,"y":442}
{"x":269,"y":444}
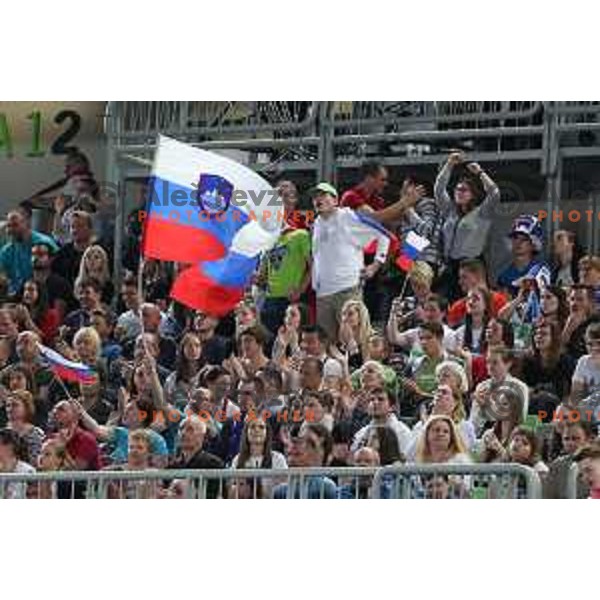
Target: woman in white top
{"x":448,"y":402}
{"x":255,"y":448}
{"x":441,"y":443}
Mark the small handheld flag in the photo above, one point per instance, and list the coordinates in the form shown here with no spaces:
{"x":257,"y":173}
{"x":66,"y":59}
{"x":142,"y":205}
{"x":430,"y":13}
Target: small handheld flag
{"x":412,"y":246}
{"x":67,"y":369}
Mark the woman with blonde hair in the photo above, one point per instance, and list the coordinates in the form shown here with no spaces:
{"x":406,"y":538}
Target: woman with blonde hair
{"x":447,"y":401}
{"x":355,"y":330}
{"x":441,"y":443}
{"x":88,"y":345}
{"x":53,"y":457}
{"x":94,"y":265}
{"x":421,"y":278}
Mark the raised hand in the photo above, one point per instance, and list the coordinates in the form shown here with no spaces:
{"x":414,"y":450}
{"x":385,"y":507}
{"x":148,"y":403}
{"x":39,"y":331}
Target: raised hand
{"x":411,"y":194}
{"x":456,"y":158}
{"x":475,"y":168}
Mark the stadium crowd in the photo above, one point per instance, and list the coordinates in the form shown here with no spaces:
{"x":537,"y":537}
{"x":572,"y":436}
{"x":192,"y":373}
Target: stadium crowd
{"x":337,"y":355}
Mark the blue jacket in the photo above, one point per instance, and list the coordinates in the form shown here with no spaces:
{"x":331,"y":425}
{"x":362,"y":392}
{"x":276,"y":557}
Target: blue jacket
{"x":15,"y":259}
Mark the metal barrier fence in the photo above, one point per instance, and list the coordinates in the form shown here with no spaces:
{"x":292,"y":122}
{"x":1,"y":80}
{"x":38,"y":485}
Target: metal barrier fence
{"x":472,"y":481}
{"x":407,"y":481}
{"x":573,"y":482}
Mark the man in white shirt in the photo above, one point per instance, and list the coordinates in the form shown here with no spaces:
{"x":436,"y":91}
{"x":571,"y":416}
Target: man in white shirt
{"x":339,"y":236}
{"x":381,"y":408}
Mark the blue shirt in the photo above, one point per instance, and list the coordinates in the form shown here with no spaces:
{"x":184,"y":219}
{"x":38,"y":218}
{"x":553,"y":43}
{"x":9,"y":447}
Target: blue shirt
{"x":535,"y":269}
{"x":15,"y":259}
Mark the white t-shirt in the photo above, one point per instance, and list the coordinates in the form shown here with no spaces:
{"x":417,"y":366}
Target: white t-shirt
{"x":588,"y":373}
{"x":465,"y":429}
{"x":277,"y":461}
{"x":337,"y":245}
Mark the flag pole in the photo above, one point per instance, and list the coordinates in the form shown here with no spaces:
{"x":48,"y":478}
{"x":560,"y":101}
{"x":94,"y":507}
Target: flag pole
{"x":140,"y":291}
{"x":404,"y":285}
{"x":57,"y":378}
{"x":62,"y":385}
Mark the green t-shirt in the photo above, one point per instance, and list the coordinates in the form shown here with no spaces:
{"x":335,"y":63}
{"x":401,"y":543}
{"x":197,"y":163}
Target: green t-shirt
{"x":286,"y":263}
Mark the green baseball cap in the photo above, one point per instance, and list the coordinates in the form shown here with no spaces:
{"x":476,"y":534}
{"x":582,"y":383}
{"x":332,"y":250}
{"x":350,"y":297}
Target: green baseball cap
{"x":323,"y":188}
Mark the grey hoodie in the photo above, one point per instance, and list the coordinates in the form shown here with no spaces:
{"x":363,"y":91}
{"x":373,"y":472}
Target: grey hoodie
{"x":464,"y":237}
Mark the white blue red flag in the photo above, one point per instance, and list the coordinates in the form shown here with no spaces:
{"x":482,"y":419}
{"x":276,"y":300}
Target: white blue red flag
{"x":213,"y":213}
{"x":412,"y":246}
{"x":67,"y":369}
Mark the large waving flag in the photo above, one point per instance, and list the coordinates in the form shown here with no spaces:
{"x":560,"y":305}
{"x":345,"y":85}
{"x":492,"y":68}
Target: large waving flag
{"x":67,"y":369}
{"x":211,"y":212}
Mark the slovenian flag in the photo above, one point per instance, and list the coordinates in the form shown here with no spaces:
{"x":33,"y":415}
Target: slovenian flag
{"x":412,"y":246}
{"x":67,"y":369}
{"x":213,"y":213}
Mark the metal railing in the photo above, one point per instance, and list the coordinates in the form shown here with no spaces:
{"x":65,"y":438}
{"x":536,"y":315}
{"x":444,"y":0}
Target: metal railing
{"x":541,"y":126}
{"x":406,"y":481}
{"x":131,"y":123}
{"x":573,"y":482}
{"x":473,"y":481}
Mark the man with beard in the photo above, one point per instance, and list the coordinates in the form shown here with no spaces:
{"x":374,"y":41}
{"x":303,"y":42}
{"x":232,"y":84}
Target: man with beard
{"x":15,"y":255}
{"x":60,"y":295}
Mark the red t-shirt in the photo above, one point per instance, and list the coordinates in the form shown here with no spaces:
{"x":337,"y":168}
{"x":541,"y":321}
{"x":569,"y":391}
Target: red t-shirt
{"x":458,"y":310}
{"x":83,"y":448}
{"x":356,"y":197}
